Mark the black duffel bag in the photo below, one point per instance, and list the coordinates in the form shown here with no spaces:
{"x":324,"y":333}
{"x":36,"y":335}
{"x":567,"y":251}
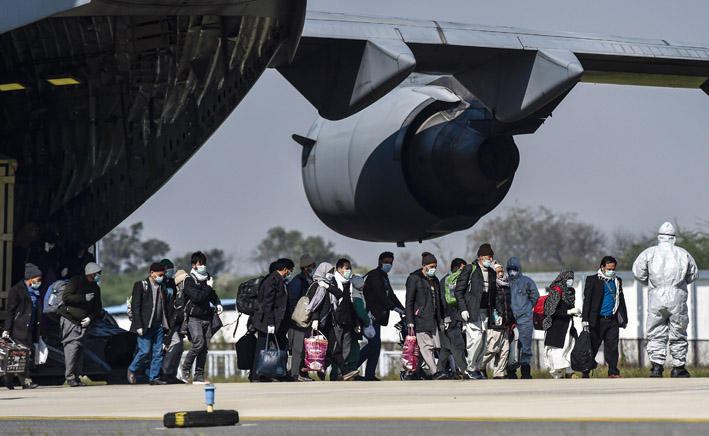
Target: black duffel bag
{"x":245,"y":350}
{"x":271,"y":362}
{"x":582,"y":357}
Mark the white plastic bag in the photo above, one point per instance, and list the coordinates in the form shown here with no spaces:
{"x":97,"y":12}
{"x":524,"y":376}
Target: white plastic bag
{"x":41,"y":352}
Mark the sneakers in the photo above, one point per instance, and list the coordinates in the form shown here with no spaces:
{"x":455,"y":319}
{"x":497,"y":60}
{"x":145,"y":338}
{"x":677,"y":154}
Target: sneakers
{"x":131,"y":377}
{"x":75,"y":383}
{"x":304,"y":379}
{"x":350,"y":375}
{"x":468,"y":375}
{"x":656,"y":371}
{"x":157,"y":382}
{"x":570,"y":375}
{"x":200,"y":381}
{"x":182,"y":377}
{"x":680,"y":372}
{"x":440,"y":376}
{"x":30,"y":385}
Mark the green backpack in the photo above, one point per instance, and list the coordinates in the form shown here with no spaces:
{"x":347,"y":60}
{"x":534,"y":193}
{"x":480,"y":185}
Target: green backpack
{"x":451,"y":280}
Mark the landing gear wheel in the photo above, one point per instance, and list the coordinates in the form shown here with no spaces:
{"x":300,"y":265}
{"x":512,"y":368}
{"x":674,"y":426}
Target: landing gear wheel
{"x":201,"y":419}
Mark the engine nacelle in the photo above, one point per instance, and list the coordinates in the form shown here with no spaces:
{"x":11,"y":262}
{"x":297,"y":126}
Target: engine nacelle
{"x":417,"y":164}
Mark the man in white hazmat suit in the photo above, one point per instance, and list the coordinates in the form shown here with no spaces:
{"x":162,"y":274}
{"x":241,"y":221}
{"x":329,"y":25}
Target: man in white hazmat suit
{"x":667,"y":270}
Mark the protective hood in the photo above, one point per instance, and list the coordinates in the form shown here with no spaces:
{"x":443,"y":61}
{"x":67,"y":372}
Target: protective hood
{"x":666,"y":233}
{"x":514,"y":263}
{"x":321,"y":271}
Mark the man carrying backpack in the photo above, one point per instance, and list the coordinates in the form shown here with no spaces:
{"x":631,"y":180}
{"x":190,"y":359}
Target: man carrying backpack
{"x":472,"y":293}
{"x":150,"y":320}
{"x":452,"y":342}
{"x":199,"y":314}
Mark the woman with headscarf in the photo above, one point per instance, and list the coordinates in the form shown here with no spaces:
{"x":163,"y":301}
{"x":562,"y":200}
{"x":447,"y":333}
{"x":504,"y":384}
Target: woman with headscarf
{"x":559,"y":336}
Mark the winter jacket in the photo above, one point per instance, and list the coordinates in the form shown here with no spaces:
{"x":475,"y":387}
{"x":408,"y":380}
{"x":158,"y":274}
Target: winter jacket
{"x":19,"y":315}
{"x":380,"y":296}
{"x":423,"y":302}
{"x":469,"y":289}
{"x":200,"y":294}
{"x":524,"y":294}
{"x":503,"y":305}
{"x":593,"y":293}
{"x":556,"y":334}
{"x":76,"y":308}
{"x":273,"y":304}
{"x":143,"y":305}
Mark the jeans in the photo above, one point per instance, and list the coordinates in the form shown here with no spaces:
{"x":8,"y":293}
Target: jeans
{"x":149,"y":350}
{"x":370,"y":353}
{"x":200,"y":334}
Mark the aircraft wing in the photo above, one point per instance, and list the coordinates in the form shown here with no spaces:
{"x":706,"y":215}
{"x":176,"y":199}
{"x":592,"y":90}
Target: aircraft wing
{"x":345,"y":63}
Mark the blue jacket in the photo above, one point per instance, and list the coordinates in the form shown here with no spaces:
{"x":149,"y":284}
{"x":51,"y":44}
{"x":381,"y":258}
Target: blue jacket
{"x":524,"y":293}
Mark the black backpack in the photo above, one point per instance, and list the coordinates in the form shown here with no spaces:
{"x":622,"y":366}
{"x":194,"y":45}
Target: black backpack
{"x":247,"y":296}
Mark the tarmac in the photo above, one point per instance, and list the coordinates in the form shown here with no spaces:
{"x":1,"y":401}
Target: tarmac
{"x":636,"y":405}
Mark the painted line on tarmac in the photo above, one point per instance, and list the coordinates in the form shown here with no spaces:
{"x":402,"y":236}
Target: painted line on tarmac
{"x":364,"y":418}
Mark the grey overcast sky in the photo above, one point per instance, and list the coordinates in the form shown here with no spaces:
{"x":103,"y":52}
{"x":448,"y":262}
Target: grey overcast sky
{"x":628,"y":157}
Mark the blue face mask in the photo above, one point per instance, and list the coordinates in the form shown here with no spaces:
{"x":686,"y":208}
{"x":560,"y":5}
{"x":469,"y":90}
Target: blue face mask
{"x":569,"y":283}
{"x":290,"y":274}
{"x":431,"y":272}
{"x":36,"y":285}
{"x":97,"y":278}
{"x":159,"y":279}
{"x":202,"y":269}
{"x":329,"y":276}
{"x":386,"y":267}
{"x":609,"y":274}
{"x":170,"y":273}
{"x":487,"y":263}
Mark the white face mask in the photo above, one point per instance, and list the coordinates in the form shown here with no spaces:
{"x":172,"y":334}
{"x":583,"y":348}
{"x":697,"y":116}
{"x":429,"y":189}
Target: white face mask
{"x":347,"y":274}
{"x":569,"y":283}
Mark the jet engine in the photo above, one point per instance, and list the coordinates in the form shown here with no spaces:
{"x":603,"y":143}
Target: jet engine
{"x":417,"y":164}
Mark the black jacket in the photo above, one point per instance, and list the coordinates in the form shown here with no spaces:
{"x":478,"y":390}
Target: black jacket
{"x":423,"y":302}
{"x":76,"y":308}
{"x":19,"y":315}
{"x":143,"y":306}
{"x":273,"y":304}
{"x":468,"y":292}
{"x":379,"y":304}
{"x":200,"y":294}
{"x":503,"y":304}
{"x":556,"y":335}
{"x":593,"y":293}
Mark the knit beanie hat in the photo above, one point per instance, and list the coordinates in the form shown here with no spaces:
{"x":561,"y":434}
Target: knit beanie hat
{"x":32,"y":271}
{"x":428,"y":258}
{"x":485,"y":250}
{"x":306,"y":260}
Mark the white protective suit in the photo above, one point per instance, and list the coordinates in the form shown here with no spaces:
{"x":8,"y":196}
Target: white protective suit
{"x":667,"y":270}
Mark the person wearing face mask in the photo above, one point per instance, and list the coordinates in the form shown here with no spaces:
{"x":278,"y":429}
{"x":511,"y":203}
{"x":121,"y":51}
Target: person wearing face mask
{"x":667,"y":270}
{"x":452,"y":341}
{"x":381,"y":300}
{"x":150,"y":321}
{"x":82,"y":305}
{"x":201,"y":297}
{"x":272,"y":319}
{"x":22,"y":318}
{"x":524,"y":295}
{"x":424,"y":311}
{"x":472,"y":293}
{"x":604,"y":313}
{"x":343,"y":319}
{"x":559,"y":331}
{"x":174,"y":343}
{"x":500,"y":320}
{"x":297,"y":288}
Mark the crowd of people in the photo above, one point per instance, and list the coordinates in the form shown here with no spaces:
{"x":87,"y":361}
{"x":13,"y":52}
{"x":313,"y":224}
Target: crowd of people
{"x":475,"y":316}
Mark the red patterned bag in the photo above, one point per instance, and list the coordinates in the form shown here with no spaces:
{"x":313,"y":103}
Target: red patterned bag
{"x":315,"y":350}
{"x":410,"y":353}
